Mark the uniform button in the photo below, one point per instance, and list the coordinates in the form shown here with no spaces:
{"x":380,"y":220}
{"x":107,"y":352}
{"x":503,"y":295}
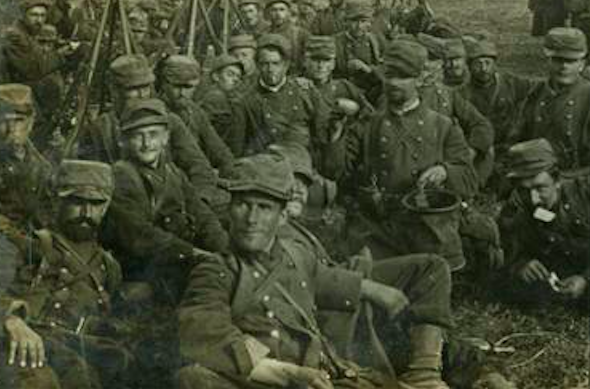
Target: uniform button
{"x":52,"y":324}
{"x":383,"y":155}
{"x":569,"y":116}
{"x":445,"y":105}
{"x":439,"y":91}
{"x":63,"y":270}
{"x":387,"y":123}
{"x":419,"y":139}
{"x":266,"y":298}
{"x":181,"y":256}
{"x":415,"y":156}
{"x":420,"y":122}
{"x":103,"y":267}
{"x":567,"y":206}
{"x":577,"y":222}
{"x":551,"y":239}
{"x":570,"y":103}
{"x":273,"y":131}
{"x":166,"y":220}
{"x":303,"y":284}
{"x":569,"y":133}
{"x":568,"y":253}
{"x":538,"y":119}
{"x":100,"y":288}
{"x":290,"y":93}
{"x":270,"y":314}
{"x":384,"y":139}
{"x":10,"y":169}
{"x":414,"y":172}
{"x":100,"y":301}
{"x":221,"y":275}
{"x":268,"y":115}
{"x":292,"y":264}
{"x":57,"y":306}
{"x":275,"y":334}
{"x":348,"y":303}
{"x":542,"y":103}
{"x":256,"y":274}
{"x":65,"y":289}
{"x":295,"y":108}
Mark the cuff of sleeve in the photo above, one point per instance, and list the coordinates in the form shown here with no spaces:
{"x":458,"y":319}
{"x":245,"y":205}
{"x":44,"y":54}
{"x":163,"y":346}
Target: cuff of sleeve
{"x":342,"y":289}
{"x":247,"y":354}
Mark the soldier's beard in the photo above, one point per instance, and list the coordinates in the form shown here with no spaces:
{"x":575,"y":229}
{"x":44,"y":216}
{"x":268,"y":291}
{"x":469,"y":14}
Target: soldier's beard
{"x":80,"y":229}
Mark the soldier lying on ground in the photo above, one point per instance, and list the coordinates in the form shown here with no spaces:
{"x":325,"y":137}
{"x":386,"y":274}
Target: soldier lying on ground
{"x":157,"y":218}
{"x":58,"y":330}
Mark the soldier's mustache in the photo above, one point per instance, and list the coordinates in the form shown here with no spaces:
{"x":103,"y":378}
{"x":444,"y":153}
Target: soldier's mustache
{"x":83,"y":220}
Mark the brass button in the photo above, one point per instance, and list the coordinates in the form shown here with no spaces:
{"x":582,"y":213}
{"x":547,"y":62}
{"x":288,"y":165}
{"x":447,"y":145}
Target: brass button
{"x":303,"y":284}
{"x":57,"y":306}
{"x":256,"y":274}
{"x":420,"y":122}
{"x":266,"y":298}
{"x":270,"y":314}
{"x":275,"y":334}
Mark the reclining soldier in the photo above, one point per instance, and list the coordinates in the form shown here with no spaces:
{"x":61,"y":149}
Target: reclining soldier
{"x":248,"y":318}
{"x":58,"y":327}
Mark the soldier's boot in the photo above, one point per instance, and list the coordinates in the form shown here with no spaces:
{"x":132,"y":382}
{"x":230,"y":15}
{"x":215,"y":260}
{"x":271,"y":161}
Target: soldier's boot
{"x":425,"y":367}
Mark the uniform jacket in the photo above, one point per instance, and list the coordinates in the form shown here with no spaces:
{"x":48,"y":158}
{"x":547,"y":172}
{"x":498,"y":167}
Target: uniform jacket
{"x":501,"y":103}
{"x":329,"y":21}
{"x":367,"y":49}
{"x":229,"y":300}
{"x":391,"y":152}
{"x":157,"y":217}
{"x":563,"y":118}
{"x":341,"y":88}
{"x":562,"y":244}
{"x":290,"y":114}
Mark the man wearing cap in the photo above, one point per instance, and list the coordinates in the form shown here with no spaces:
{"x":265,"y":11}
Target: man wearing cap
{"x":456,"y":72}
{"x":306,"y":13}
{"x":157,"y":219}
{"x":243,"y":47}
{"x":279,"y":109}
{"x":222,"y":102}
{"x":496,"y":94}
{"x":447,"y":101}
{"x":279,"y":13}
{"x":178,"y":78}
{"x":134,"y":81}
{"x":345,"y":98}
{"x":545,"y":227}
{"x":358,"y":49}
{"x":559,"y":108}
{"x":252,"y":15}
{"x":404,"y":145}
{"x":59,"y":321}
{"x":247,"y":319}
{"x":24,"y":172}
{"x":330,"y":20}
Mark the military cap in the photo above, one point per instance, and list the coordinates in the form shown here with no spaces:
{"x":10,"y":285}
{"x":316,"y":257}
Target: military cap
{"x":404,"y":58}
{"x":89,"y":180}
{"x":565,"y":42}
{"x":276,"y":41}
{"x":434,"y":45}
{"x":444,"y":28}
{"x":180,"y":70}
{"x":527,"y":159}
{"x":242,"y":41}
{"x":224,"y":60}
{"x":298,"y":157}
{"x":48,"y":33}
{"x":477,"y":48}
{"x":454,"y":48}
{"x":132,"y":71}
{"x":257,"y":3}
{"x":16,"y":99}
{"x":268,"y":173}
{"x":321,"y":46}
{"x":145,"y":112}
{"x":270,"y":3}
{"x":26,"y":4}
{"x":356,"y":10}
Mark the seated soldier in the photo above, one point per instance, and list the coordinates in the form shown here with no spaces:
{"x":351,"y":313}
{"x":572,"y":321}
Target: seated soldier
{"x":58,"y":325}
{"x":248,"y":318}
{"x":545,"y":227}
{"x":157,"y":218}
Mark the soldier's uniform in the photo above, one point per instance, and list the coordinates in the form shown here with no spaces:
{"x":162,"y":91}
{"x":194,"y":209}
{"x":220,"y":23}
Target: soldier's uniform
{"x":239,"y":308}
{"x":559,"y":238}
{"x":101,"y":137}
{"x":257,"y":30}
{"x":68,"y":294}
{"x":331,"y":20}
{"x":561,"y":116}
{"x":179,"y":70}
{"x":23,"y":182}
{"x":249,"y":78}
{"x":383,"y":162}
{"x":157,"y":217}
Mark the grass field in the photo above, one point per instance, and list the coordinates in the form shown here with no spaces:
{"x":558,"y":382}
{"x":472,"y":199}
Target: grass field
{"x":552,"y":344}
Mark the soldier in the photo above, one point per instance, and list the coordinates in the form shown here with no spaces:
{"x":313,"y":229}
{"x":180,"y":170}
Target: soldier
{"x":222,"y":102}
{"x":59,"y":317}
{"x":456,"y":72}
{"x":243,"y":47}
{"x":179,"y":76}
{"x":358,"y":49}
{"x":330,"y":20}
{"x":559,"y":108}
{"x":157,"y":219}
{"x":496,"y":94}
{"x":134,"y":80}
{"x":260,"y":300}
{"x":306,"y":13}
{"x":279,"y":13}
{"x":405,"y":145}
{"x":280,"y":109}
{"x":23,"y":170}
{"x":252,"y":14}
{"x":546,"y":227}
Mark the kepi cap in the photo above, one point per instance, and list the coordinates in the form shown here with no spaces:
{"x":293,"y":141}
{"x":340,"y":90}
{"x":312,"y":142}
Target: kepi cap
{"x":321,"y":46}
{"x":404,"y":58}
{"x":270,"y":174}
{"x":141,"y":113}
{"x":180,"y":69}
{"x":242,"y":41}
{"x":89,"y":180}
{"x":527,"y":159}
{"x":131,"y":71}
{"x":15,"y":99}
{"x":565,"y":42}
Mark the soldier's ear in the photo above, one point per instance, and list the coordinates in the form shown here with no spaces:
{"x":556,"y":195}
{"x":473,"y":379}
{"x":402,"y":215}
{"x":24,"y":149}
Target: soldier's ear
{"x":283,"y":217}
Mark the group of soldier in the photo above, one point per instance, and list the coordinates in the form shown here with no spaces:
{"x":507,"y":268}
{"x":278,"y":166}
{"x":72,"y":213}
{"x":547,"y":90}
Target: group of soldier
{"x":197,"y":187}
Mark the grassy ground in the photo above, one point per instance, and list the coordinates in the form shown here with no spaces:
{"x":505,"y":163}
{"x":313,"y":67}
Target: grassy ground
{"x":552,"y":344}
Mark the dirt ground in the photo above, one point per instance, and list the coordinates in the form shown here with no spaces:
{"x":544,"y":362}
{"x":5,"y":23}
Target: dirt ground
{"x":552,"y":344}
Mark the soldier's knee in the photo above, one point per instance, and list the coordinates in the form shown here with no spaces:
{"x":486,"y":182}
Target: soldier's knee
{"x":31,"y":378}
{"x":199,"y":377}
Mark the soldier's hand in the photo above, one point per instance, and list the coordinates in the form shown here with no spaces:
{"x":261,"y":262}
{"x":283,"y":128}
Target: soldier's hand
{"x":313,"y":378}
{"x":26,"y":346}
{"x":574,"y":287}
{"x":433,"y":176}
{"x":390,"y":299}
{"x":356,"y":65}
{"x":534,"y":271}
